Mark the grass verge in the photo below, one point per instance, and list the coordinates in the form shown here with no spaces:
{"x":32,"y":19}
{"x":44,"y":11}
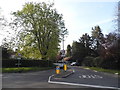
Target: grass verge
{"x":104,"y":70}
{"x":24,"y":69}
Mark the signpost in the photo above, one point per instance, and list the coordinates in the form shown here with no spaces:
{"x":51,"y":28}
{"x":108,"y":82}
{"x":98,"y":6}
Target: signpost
{"x":18,"y":59}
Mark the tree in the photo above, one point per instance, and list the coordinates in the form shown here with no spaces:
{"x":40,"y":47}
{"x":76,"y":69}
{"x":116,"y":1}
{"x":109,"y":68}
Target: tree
{"x":69,"y":48}
{"x":98,"y":38}
{"x":111,"y":51}
{"x":42,"y":25}
{"x":87,"y":41}
{"x":78,"y":51}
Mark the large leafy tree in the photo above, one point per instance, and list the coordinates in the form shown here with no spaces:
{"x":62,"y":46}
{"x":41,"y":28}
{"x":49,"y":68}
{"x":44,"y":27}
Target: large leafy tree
{"x":40,"y":27}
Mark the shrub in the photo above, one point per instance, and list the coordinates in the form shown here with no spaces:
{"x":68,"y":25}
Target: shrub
{"x":110,"y":63}
{"x":88,"y":61}
{"x":92,"y":61}
{"x":97,"y":61}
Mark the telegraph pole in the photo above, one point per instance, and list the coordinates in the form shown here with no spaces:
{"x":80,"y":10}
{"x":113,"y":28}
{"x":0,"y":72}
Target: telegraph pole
{"x":64,"y":33}
{"x":63,"y":42}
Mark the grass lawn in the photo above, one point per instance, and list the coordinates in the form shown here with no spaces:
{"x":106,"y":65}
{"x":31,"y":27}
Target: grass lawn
{"x":104,"y":70}
{"x":24,"y":69}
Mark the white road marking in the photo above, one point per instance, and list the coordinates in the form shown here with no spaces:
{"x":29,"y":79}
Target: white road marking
{"x":50,"y":77}
{"x":84,"y":76}
{"x":95,"y":71}
{"x":98,"y":76}
{"x":75,"y":84}
{"x":90,"y":76}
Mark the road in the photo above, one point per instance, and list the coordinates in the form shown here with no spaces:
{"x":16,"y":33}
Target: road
{"x":90,"y":78}
{"x":37,"y":79}
{"x":82,"y":78}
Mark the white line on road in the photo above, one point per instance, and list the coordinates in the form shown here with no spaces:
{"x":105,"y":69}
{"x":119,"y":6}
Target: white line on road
{"x":94,"y":86}
{"x":50,"y":78}
{"x":95,"y":71}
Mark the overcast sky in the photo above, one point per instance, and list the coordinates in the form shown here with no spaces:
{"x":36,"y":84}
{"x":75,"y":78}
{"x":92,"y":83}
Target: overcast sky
{"x":80,"y":16}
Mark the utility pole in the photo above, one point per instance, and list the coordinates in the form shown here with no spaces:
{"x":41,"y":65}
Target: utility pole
{"x":64,"y":32}
{"x":63,"y":42}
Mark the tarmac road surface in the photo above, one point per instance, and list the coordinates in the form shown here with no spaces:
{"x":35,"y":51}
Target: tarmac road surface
{"x":90,"y":78}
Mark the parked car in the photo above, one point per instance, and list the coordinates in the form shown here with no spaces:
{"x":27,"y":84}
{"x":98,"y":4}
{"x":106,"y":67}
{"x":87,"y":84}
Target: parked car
{"x":73,"y":63}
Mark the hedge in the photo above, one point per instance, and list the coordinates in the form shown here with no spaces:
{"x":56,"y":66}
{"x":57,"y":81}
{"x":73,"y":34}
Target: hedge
{"x":26,"y":63}
{"x":109,"y":63}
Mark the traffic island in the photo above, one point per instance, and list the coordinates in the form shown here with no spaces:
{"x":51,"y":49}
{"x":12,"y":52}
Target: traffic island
{"x":64,"y":74}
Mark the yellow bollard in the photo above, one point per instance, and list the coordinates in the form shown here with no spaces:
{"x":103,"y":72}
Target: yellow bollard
{"x":57,"y":70}
{"x":65,"y":67}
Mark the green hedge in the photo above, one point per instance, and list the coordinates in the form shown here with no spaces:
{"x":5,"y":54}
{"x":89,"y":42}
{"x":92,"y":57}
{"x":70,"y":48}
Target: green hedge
{"x":108,"y":63}
{"x":27,"y":63}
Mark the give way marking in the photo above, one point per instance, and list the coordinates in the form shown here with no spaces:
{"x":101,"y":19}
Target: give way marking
{"x":90,"y":76}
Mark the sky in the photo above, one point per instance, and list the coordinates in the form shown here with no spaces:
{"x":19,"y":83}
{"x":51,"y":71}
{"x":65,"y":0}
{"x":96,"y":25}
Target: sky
{"x":79,"y":16}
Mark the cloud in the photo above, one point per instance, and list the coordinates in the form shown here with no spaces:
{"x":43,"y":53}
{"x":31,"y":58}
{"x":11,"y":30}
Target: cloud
{"x":99,"y":22}
{"x":106,"y":21}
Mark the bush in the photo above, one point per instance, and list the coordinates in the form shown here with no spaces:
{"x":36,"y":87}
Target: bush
{"x":88,"y":61}
{"x":110,"y":63}
{"x":97,"y":61}
{"x":92,"y":61}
